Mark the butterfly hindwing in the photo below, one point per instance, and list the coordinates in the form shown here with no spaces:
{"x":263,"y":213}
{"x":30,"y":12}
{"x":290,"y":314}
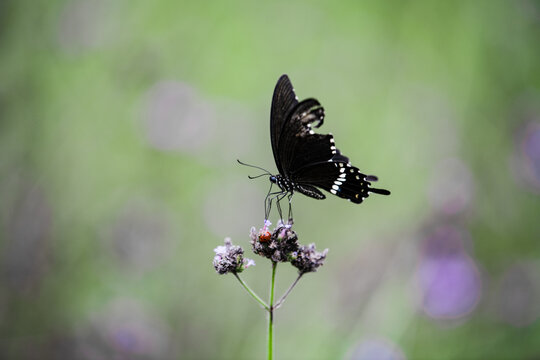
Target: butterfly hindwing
{"x":338,"y":178}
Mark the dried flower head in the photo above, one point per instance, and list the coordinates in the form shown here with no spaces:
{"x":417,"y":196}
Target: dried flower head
{"x":307,"y":259}
{"x":230,"y":258}
{"x":276,"y":246}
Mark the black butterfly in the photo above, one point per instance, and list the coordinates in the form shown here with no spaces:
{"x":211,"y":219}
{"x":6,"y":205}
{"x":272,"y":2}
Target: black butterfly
{"x":306,"y":160}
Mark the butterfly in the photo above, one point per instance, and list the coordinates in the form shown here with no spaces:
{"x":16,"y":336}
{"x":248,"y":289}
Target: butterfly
{"x":309,"y":161}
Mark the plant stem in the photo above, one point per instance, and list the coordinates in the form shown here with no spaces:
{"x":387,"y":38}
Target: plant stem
{"x":252,"y":293}
{"x":282,"y":299}
{"x":271,"y":312}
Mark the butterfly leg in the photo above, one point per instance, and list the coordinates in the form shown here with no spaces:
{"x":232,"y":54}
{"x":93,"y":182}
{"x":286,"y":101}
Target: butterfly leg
{"x":280,"y":197}
{"x":290,"y":219}
{"x":268,"y":203}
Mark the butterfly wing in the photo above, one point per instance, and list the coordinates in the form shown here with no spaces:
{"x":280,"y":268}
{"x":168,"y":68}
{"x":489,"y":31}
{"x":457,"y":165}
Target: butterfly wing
{"x":308,"y":159}
{"x":283,"y":101}
{"x":339,"y":178}
{"x":314,"y":161}
{"x":298,"y":144}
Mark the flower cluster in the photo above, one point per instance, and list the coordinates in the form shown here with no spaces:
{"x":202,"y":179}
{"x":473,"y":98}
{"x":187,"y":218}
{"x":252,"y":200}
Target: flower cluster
{"x":275,"y":246}
{"x":230,"y":258}
{"x":282,"y":246}
{"x":307,"y":259}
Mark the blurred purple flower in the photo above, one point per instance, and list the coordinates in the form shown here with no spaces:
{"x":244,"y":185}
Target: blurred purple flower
{"x":449,"y":280}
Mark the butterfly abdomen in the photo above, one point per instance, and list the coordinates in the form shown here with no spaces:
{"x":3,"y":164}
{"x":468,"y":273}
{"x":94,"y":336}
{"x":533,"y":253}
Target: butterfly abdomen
{"x":310,"y":191}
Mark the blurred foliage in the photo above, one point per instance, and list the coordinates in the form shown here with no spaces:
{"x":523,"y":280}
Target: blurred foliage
{"x":120,"y":124}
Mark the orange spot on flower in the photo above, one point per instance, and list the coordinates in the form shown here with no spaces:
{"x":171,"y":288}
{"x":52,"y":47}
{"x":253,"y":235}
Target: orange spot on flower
{"x":265,"y":236}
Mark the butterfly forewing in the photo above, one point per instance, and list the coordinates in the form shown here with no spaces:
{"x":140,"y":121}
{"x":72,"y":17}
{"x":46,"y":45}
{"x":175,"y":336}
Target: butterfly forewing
{"x":298,"y":144}
{"x":311,"y":149}
{"x":283,"y":101}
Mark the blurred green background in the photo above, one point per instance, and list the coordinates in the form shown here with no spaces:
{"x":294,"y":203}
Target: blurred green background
{"x":120,"y":126}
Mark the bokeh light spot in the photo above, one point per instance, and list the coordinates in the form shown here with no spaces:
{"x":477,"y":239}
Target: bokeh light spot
{"x":526,"y":162}
{"x":177,"y":118}
{"x":231,"y":205}
{"x":81,"y":25}
{"x":519,"y":294}
{"x":122,"y":329}
{"x":141,"y":236}
{"x":376,"y":349}
{"x":25,"y":254}
{"x":451,"y":188}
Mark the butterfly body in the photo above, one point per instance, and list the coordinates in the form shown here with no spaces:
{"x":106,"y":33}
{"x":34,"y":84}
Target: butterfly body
{"x":309,"y":161}
{"x":290,"y":186}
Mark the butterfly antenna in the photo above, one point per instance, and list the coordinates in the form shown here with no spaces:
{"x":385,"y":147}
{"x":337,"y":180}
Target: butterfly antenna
{"x":266,"y":172}
{"x":258,"y":176}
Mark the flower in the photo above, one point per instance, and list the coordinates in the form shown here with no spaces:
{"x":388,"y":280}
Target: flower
{"x":276,"y":246}
{"x":267,"y":224}
{"x":307,"y":259}
{"x":230,"y":258}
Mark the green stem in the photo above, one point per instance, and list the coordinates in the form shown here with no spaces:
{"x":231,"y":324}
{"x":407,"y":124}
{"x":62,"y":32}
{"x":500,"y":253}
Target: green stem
{"x":252,"y":293}
{"x":282,"y":299}
{"x":271,"y":312}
